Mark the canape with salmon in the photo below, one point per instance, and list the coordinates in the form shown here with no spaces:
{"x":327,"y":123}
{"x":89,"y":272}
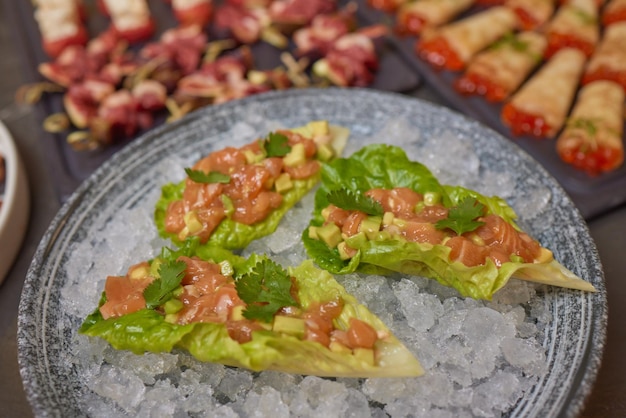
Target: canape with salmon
{"x":251,"y":313}
{"x":236,"y":195}
{"x":394,"y":215}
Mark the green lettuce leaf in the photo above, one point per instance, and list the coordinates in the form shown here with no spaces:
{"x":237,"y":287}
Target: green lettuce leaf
{"x":146,"y":330}
{"x":387,"y":166}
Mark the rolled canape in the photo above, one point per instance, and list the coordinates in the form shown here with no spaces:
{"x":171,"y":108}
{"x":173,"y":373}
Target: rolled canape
{"x":387,"y":5}
{"x":575,"y":25}
{"x":193,"y":12}
{"x":131,"y":19}
{"x":453,"y":45}
{"x":531,"y":14}
{"x":613,"y":12}
{"x":497,"y":72}
{"x":413,"y":17}
{"x":609,"y":60}
{"x":541,"y":105}
{"x":60,"y":25}
{"x":592,"y":139}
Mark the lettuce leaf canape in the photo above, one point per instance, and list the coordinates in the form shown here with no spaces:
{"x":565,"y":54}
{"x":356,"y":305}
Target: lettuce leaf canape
{"x":249,"y":313}
{"x":379,"y":212}
{"x":236,"y":195}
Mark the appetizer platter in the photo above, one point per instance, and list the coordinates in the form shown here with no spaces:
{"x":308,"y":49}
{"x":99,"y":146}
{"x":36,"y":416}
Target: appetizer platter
{"x":154,"y":61}
{"x":541,"y":342}
{"x":523,"y":68}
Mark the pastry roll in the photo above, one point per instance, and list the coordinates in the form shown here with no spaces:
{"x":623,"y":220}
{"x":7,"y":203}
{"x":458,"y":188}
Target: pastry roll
{"x":60,"y":25}
{"x":540,"y":107}
{"x":575,"y":25}
{"x":501,"y":69}
{"x":413,"y":17}
{"x":592,"y":139}
{"x":609,"y":60}
{"x":615,"y":11}
{"x":387,"y":5}
{"x":453,"y":45}
{"x":531,"y":14}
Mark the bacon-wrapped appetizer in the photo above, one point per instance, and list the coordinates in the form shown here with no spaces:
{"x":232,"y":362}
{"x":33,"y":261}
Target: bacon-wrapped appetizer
{"x":592,"y":139}
{"x":60,"y":25}
{"x":540,"y":107}
{"x":614,"y":11}
{"x":575,"y":25}
{"x":453,"y":45}
{"x":396,"y":216}
{"x":297,"y":13}
{"x":193,"y":12}
{"x":609,"y":60}
{"x":245,"y":24}
{"x":317,"y":39}
{"x":414,"y":17}
{"x":131,"y":19}
{"x":501,"y":69}
{"x":532,"y":14}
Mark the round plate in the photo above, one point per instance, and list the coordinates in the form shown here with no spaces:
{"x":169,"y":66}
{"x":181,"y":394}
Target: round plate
{"x":97,"y":230}
{"x":16,"y":203}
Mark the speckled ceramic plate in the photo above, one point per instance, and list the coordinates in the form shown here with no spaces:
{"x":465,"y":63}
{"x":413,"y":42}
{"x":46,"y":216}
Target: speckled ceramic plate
{"x":459,"y":149}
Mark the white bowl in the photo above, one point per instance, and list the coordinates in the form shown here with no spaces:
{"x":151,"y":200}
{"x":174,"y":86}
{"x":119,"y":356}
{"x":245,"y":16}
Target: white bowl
{"x":15,"y":203}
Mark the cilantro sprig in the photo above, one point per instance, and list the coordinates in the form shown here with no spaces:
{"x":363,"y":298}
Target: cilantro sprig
{"x":462,"y":218}
{"x":199,"y":176}
{"x":275,"y":145}
{"x":350,"y":200}
{"x":265,"y":289}
{"x":160,"y":290}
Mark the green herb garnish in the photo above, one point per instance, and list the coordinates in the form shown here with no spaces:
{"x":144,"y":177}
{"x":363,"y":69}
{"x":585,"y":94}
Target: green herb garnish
{"x":587,"y":125}
{"x":462,"y":218}
{"x":160,"y":290}
{"x":266,"y":289}
{"x":275,"y":145}
{"x":350,"y":200}
{"x":199,"y":176}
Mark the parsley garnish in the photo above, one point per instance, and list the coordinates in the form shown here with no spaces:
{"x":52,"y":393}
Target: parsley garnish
{"x":275,"y":145}
{"x":160,"y":290}
{"x":266,"y":289}
{"x":211,"y":177}
{"x":350,"y":200}
{"x":462,"y":218}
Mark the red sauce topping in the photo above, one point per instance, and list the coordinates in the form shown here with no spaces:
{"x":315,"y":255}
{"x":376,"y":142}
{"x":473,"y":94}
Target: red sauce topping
{"x":593,"y":162}
{"x":525,"y":19}
{"x":614,"y":16}
{"x":524,"y":123}
{"x":603,"y":73}
{"x":384,"y":5}
{"x":410,"y":24}
{"x":472,"y":83}
{"x":557,"y":41}
{"x":439,"y":54}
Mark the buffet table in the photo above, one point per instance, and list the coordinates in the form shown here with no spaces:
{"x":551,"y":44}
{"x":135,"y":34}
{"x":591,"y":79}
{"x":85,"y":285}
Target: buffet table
{"x":608,"y":229}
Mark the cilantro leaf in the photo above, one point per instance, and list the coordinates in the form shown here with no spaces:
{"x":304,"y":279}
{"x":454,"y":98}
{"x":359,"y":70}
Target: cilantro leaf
{"x":462,"y":218}
{"x":275,"y":145}
{"x":160,"y":290}
{"x":265,"y":289}
{"x":212,"y":177}
{"x":351,"y":200}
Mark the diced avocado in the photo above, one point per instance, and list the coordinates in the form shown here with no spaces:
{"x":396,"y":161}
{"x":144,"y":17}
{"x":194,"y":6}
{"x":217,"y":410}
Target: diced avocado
{"x":313,"y":233}
{"x":289,"y":325}
{"x":388,"y":218}
{"x":154,"y":267}
{"x":229,"y":208}
{"x":371,"y":225}
{"x":516,"y":258}
{"x":183,"y":234}
{"x":325,"y":152}
{"x":432,"y":198}
{"x":476,"y":239}
{"x":226,"y":268}
{"x":236,"y":314}
{"x":357,"y":240}
{"x":399,"y":222}
{"x":365,"y":355}
{"x":178,"y":291}
{"x":296,"y":156}
{"x":252,"y":157}
{"x":192,"y":222}
{"x":337,"y":347}
{"x":344,"y":254}
{"x":330,"y":234}
{"x":382,"y":236}
{"x":305,"y":131}
{"x":319,"y":127}
{"x":171,"y":318}
{"x":140,"y":272}
{"x":283,"y":183}
{"x":326,"y":212}
{"x":172,"y":306}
